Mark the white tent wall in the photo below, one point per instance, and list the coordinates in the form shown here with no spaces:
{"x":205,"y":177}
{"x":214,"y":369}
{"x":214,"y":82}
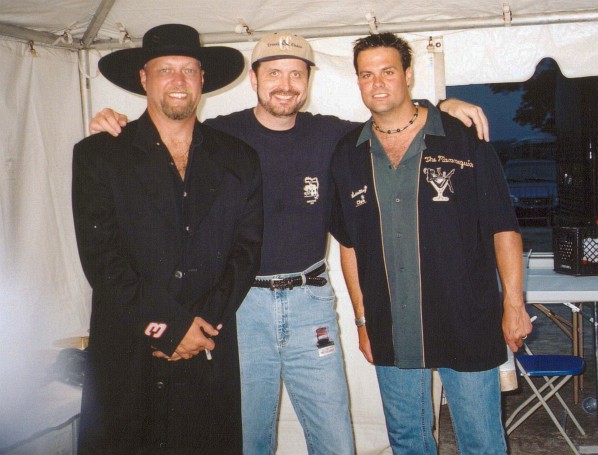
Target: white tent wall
{"x":43,"y":293}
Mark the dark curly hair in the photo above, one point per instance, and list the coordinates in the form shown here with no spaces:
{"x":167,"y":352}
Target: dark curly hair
{"x":383,"y":40}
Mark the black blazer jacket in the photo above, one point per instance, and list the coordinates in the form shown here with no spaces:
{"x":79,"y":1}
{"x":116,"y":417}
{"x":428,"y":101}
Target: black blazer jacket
{"x":151,"y":274}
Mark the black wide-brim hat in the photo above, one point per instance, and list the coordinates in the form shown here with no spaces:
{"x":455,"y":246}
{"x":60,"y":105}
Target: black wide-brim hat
{"x":221,"y":65}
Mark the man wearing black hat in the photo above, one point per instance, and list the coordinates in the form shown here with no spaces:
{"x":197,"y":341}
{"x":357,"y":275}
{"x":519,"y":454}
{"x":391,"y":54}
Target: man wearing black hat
{"x":169,"y":222}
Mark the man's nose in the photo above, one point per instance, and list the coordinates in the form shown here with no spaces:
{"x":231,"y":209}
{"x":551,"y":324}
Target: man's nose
{"x":285,"y":83}
{"x":178,"y":77}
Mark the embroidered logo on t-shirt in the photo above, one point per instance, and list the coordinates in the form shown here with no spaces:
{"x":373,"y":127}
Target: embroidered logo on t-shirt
{"x":440,"y":180}
{"x":360,"y":195}
{"x":311,"y":190}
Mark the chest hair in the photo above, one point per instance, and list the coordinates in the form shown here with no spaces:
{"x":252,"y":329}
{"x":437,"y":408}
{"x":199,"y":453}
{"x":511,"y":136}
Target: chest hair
{"x":395,"y":145}
{"x":179,"y":151}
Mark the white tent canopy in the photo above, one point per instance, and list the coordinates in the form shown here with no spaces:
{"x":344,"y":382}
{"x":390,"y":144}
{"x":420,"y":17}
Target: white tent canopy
{"x":49,"y":52}
{"x":94,"y":22}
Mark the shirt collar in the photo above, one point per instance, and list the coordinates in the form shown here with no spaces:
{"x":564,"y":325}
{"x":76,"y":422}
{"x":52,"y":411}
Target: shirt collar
{"x":147,"y":134}
{"x":432,"y":127}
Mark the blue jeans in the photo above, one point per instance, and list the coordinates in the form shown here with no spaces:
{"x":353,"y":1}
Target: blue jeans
{"x":474,"y":402}
{"x":292,"y":335}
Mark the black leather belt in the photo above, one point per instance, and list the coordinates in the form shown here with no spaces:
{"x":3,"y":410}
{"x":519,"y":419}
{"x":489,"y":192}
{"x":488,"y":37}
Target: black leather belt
{"x":311,"y":279}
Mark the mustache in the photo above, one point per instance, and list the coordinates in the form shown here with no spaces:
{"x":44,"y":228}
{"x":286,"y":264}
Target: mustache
{"x":285,"y":93}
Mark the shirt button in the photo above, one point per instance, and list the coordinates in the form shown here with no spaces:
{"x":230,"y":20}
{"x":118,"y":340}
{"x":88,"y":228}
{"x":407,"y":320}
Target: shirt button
{"x":178,"y":274}
{"x":399,"y":235}
{"x":184,"y":194}
{"x":160,"y":385}
{"x":163,"y":445}
{"x":187,"y":228}
{"x":397,"y":200}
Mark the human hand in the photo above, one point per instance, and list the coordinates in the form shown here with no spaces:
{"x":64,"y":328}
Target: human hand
{"x":468,"y":114}
{"x":198,"y":338}
{"x":109,"y":121}
{"x":516,"y":326}
{"x":364,"y":344}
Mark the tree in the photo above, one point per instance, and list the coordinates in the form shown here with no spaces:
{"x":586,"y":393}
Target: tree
{"x":537,"y":108}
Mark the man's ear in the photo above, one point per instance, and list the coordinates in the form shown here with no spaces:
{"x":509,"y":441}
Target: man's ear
{"x":253,"y":79}
{"x":409,"y":77}
{"x":142,"y":78}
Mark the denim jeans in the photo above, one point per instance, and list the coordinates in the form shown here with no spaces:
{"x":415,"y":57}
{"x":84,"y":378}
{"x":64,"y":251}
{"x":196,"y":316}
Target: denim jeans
{"x":292,"y":335}
{"x":474,"y":402}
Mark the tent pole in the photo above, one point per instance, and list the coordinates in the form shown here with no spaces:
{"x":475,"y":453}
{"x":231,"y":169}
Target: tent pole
{"x":84,"y":87}
{"x":436,"y":54}
{"x":96,"y":23}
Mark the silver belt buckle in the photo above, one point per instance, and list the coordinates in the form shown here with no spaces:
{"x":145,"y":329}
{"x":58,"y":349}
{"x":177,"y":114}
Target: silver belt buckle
{"x":277,"y":283}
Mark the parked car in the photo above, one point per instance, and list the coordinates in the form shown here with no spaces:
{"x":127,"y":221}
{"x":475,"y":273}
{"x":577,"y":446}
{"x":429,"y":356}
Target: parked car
{"x":533,"y":188}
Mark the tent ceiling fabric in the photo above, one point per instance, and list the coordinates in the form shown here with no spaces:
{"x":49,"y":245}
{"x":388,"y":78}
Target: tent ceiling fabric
{"x":222,"y":17}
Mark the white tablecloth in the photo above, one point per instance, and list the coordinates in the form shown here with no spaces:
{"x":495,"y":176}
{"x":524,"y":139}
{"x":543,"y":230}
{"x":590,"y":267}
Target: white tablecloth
{"x":547,"y":286}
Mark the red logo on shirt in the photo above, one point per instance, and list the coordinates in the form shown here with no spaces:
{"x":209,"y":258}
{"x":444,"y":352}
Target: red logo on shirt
{"x":155,"y":329}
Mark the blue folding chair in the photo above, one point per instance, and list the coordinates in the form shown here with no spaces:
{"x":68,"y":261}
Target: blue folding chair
{"x":551,"y":368}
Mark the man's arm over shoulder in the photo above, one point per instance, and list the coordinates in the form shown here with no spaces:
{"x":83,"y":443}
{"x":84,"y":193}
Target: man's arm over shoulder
{"x":468,"y":114}
{"x":109,"y":121}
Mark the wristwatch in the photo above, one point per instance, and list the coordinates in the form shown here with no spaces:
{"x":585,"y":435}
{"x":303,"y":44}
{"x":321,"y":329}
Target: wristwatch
{"x":360,"y":321}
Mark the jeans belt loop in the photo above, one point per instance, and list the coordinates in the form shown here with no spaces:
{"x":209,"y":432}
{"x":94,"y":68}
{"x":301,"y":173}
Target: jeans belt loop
{"x":303,"y":279}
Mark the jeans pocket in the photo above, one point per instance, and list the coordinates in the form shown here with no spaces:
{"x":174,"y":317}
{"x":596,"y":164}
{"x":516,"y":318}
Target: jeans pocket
{"x":324,"y":293}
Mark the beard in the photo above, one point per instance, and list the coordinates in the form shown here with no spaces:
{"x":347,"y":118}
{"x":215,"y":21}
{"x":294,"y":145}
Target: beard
{"x":179,"y":112}
{"x":281,"y":111}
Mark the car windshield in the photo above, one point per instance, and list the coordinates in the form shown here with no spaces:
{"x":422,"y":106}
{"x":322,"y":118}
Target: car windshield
{"x":530,"y":171}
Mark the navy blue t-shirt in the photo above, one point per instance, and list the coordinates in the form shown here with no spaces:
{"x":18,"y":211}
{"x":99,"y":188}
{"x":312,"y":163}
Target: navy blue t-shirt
{"x":296,"y":180}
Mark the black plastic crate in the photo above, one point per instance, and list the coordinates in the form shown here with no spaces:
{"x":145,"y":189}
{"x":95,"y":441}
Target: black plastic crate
{"x":575,"y":250}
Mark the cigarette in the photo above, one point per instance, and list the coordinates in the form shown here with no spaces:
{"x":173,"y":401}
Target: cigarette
{"x":533,"y":318}
{"x":208,"y":354}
